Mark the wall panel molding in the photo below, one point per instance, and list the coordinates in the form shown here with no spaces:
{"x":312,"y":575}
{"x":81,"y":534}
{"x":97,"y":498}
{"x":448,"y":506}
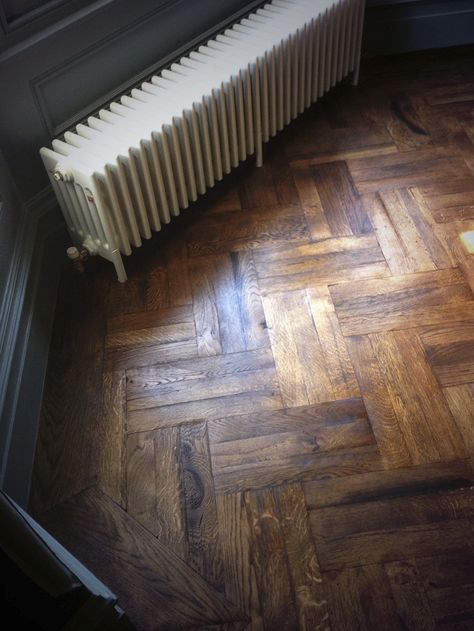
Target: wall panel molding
{"x":25,"y":327}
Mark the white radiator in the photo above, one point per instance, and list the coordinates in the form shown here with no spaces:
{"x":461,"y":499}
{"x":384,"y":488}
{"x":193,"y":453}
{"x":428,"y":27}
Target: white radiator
{"x":145,"y":157}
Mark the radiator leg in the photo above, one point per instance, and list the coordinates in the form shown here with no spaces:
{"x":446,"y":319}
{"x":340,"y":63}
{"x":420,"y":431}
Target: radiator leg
{"x":259,"y":156}
{"x":116,"y":259}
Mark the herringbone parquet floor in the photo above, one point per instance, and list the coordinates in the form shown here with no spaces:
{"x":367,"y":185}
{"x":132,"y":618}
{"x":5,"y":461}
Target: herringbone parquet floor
{"x":270,"y":426}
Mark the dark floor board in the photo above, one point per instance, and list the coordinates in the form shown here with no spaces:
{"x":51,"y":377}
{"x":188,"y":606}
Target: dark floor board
{"x":155,"y":587}
{"x":204,"y":548}
{"x":271,"y":562}
{"x":370,"y":306}
{"x":294,"y":266}
{"x":387,"y":484}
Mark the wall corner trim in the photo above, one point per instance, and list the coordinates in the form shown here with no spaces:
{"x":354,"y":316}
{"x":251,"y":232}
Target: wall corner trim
{"x":41,"y":222}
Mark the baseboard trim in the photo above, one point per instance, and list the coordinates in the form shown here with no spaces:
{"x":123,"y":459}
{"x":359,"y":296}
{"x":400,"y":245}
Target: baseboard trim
{"x":25,"y":325}
{"x":399,"y":27}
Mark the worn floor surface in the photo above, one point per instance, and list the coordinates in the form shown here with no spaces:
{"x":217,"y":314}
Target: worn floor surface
{"x":270,"y":426}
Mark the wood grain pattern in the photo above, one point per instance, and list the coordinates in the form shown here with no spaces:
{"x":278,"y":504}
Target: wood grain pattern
{"x":460,"y":400}
{"x":204,"y":551}
{"x":286,"y":267}
{"x":311,"y":604}
{"x":238,"y":564}
{"x":399,"y":302}
{"x":450,"y":352}
{"x":126,"y":556}
{"x":154,"y":488}
{"x":112,"y":425}
{"x":227,"y":305}
{"x":269,"y":427}
{"x":271,"y":565}
{"x":376,"y":396}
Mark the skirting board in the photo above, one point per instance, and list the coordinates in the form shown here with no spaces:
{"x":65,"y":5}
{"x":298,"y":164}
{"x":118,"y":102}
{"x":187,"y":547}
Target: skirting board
{"x":398,"y":27}
{"x":36,"y":272}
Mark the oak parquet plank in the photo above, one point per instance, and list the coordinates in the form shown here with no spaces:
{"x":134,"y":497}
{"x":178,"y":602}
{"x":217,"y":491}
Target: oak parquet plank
{"x":391,"y":545}
{"x":204,"y":552}
{"x":149,"y":319}
{"x":355,"y":150}
{"x":156,"y":289}
{"x":224,"y":198}
{"x":154,"y":487}
{"x":425,"y":167}
{"x":411,"y":480}
{"x":296,"y":346}
{"x":411,"y":601}
{"x":453,"y":605}
{"x":227,"y":306}
{"x":67,"y":450}
{"x":226,"y":232}
{"x":407,"y":233}
{"x":456,"y":205}
{"x":216,"y":306}
{"x":204,"y":378}
{"x":405,"y":124}
{"x":112,"y":423}
{"x":252,"y":316}
{"x":284,"y":420}
{"x":238,"y":563}
{"x":393,"y":513}
{"x":442,"y":570}
{"x":342,"y":206}
{"x":450,"y":352}
{"x":151,"y":335}
{"x":124,"y":358}
{"x":176,"y":260}
{"x":154,"y":586}
{"x":312,"y":206}
{"x":400,"y":302}
{"x":141,"y":480}
{"x":423,"y":415}
{"x":271,"y":440}
{"x":342,"y":259}
{"x":271,"y":565}
{"x":338,"y":364}
{"x":313,"y":466}
{"x":461,"y":403}
{"x":376,"y":396}
{"x":283,"y":181}
{"x":314,"y":141}
{"x":256,"y":399}
{"x":127,"y":298}
{"x":310,"y":595}
{"x":258,"y":188}
{"x":345,"y":608}
{"x":358,"y":609}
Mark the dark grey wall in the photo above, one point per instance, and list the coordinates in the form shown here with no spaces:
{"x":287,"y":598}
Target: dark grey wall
{"x":397,"y":26}
{"x":56,"y":67}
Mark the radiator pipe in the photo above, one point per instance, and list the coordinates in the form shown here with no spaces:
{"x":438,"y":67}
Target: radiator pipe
{"x":77,"y":257}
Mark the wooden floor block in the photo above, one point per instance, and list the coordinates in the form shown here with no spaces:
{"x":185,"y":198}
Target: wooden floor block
{"x":259,"y":450}
{"x":126,"y":559}
{"x":450,"y":352}
{"x":342,"y":259}
{"x":371,"y":306}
